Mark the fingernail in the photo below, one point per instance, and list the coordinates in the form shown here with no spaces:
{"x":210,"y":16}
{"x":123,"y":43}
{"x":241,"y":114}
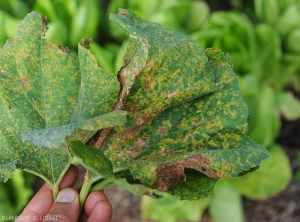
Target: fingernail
{"x":65,"y":196}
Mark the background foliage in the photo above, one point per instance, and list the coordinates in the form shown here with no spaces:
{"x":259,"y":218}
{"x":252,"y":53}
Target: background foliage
{"x":267,"y":60}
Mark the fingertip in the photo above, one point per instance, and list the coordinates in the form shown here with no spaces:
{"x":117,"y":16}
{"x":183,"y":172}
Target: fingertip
{"x":92,"y":200}
{"x":67,"y":195}
{"x":97,"y":207}
{"x":66,"y":206}
{"x":102,"y":212}
{"x":70,"y":177}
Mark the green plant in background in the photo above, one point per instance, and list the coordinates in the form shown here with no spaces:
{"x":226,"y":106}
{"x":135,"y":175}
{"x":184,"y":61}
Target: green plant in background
{"x":265,"y":58}
{"x":15,"y":193}
{"x":169,"y":209}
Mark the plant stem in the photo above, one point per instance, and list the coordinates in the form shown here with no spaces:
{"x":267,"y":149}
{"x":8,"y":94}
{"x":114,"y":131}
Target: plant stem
{"x":55,"y":191}
{"x":102,"y":184}
{"x":86,"y":186}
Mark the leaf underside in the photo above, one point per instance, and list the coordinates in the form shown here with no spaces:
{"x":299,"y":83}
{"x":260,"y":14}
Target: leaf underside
{"x":185,"y":113}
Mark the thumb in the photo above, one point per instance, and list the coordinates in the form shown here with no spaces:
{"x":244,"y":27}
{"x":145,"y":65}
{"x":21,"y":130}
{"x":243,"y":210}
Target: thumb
{"x":65,"y":208}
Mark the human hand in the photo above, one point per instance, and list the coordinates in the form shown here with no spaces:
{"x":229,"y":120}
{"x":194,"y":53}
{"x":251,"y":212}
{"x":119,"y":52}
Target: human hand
{"x":66,"y":207}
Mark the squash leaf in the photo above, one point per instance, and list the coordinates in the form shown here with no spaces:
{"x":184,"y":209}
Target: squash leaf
{"x":185,"y":121}
{"x":54,"y":93}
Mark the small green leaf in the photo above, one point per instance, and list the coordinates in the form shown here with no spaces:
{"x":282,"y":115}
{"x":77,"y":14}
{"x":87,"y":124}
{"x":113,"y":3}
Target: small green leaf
{"x":92,"y":158}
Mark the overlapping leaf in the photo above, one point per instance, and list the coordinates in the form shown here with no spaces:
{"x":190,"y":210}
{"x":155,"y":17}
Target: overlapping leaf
{"x":82,"y":130}
{"x":44,"y":86}
{"x":185,"y":111}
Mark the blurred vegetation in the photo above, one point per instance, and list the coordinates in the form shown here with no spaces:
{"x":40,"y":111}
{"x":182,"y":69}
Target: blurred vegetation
{"x":262,"y":39}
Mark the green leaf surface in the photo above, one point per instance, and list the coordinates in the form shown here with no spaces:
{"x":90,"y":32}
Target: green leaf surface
{"x":184,"y":110}
{"x":190,"y":188}
{"x":44,"y":85}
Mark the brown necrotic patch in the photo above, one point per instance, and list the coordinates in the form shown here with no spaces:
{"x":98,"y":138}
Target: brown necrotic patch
{"x":162,"y":130}
{"x":141,"y":120}
{"x":132,"y":109}
{"x":44,"y":26}
{"x":134,"y":152}
{"x":171,"y":94}
{"x":148,"y":81}
{"x":168,"y":176}
{"x":169,"y":152}
{"x":171,"y":174}
{"x":24,"y":82}
{"x":140,"y":142}
{"x":200,"y":163}
{"x":64,"y":49}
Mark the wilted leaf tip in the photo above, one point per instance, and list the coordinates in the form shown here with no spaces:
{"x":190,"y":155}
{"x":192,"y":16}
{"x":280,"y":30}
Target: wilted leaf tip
{"x":123,"y":12}
{"x":85,"y":42}
{"x":44,"y":25}
{"x":64,"y":49}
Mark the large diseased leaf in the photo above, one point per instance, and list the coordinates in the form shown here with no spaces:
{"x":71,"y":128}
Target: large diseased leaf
{"x":45,"y":87}
{"x":184,"y":122}
{"x":184,"y":110}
